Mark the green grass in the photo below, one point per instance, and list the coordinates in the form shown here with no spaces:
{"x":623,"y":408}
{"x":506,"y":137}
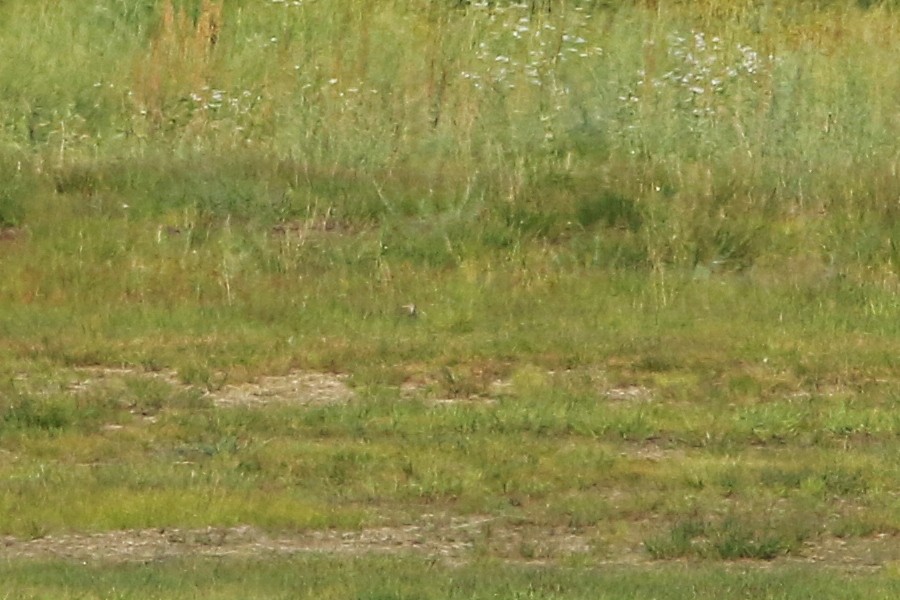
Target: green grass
{"x":652,"y":249}
{"x":371,"y":578}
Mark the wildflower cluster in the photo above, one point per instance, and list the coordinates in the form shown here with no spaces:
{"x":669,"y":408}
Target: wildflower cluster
{"x":213,"y":100}
{"x":518,"y":47}
{"x":700,"y":68}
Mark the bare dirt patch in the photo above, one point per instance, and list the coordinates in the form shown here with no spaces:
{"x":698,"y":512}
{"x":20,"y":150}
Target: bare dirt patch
{"x":452,"y":539}
{"x":863,"y":553}
{"x":626,"y":393}
{"x":299,"y":387}
{"x":92,"y":377}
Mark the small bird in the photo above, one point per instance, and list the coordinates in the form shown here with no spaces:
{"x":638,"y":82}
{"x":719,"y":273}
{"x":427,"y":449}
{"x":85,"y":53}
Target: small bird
{"x":410,"y":310}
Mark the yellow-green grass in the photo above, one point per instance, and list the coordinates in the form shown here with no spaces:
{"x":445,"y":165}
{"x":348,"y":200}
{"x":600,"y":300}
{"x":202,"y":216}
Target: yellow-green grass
{"x":652,"y":251}
{"x":391,"y":577}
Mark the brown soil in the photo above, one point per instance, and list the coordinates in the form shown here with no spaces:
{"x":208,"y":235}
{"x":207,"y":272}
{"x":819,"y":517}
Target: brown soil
{"x":453,"y":540}
{"x":299,"y":387}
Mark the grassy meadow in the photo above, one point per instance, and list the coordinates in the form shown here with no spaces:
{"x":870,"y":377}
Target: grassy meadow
{"x":613,"y":283}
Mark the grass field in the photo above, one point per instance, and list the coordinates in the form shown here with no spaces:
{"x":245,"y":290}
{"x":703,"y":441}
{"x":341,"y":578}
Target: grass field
{"x":449,"y":299}
{"x":415,"y":578}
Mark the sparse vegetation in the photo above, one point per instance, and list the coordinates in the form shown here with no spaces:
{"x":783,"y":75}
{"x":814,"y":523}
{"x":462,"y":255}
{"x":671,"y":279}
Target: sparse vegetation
{"x":612,"y":282}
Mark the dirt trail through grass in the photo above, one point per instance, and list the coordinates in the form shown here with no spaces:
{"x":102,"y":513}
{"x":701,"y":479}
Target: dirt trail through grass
{"x":440,"y":537}
{"x":450,"y":540}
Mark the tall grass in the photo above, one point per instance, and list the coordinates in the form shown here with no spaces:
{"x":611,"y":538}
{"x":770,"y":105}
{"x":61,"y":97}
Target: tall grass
{"x":251,"y":158}
{"x":733,"y":132}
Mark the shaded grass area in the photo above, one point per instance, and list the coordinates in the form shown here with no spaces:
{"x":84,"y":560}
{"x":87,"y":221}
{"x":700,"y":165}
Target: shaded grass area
{"x":400,"y":577}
